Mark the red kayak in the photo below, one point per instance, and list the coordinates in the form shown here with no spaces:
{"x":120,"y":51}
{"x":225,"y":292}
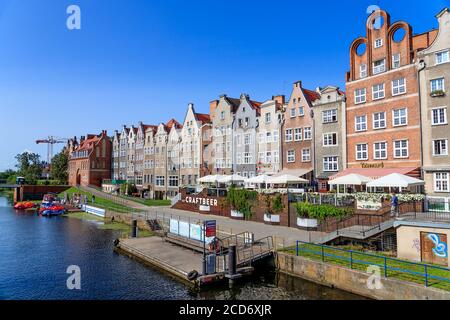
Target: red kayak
{"x":24,"y":205}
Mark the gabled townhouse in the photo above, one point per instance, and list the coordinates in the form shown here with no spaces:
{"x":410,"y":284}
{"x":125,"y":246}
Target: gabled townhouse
{"x":161,"y":138}
{"x":434,"y":75}
{"x":329,"y":135}
{"x":131,"y":155}
{"x":173,"y":158}
{"x":149,"y":160}
{"x":90,"y":160}
{"x":298,"y":142}
{"x":139,"y":156}
{"x":116,"y":155}
{"x":222,"y":117}
{"x":123,"y":154}
{"x":196,"y":127}
{"x":244,"y":128}
{"x":269,"y":136}
{"x":383,"y":107}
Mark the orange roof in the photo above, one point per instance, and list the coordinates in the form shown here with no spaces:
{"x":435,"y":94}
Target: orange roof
{"x":88,"y":144}
{"x":203,"y":117}
{"x":173,"y":122}
{"x":311,"y":95}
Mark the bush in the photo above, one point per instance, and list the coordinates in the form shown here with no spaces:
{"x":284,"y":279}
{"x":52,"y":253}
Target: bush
{"x":241,"y":200}
{"x":319,"y":212}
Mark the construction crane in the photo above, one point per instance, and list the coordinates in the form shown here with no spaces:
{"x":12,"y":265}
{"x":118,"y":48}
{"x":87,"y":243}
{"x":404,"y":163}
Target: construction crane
{"x":51,"y":141}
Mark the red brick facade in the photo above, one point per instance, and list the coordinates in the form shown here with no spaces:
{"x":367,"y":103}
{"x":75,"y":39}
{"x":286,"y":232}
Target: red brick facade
{"x":90,"y":160}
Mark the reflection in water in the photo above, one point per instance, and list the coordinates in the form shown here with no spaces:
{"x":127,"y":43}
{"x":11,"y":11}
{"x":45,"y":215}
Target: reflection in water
{"x":35,"y":254}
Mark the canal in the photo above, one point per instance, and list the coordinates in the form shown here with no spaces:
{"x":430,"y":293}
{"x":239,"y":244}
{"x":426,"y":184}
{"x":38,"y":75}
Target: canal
{"x":35,"y":253}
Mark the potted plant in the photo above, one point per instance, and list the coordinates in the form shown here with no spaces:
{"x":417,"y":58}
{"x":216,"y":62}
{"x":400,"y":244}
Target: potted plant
{"x":304,"y":220}
{"x":241,"y":202}
{"x":273,"y":208}
{"x":437,"y":93}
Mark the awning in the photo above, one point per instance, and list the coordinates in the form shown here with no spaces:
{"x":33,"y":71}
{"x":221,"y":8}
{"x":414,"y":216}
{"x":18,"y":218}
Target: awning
{"x":210,"y":179}
{"x":231,"y":179}
{"x":350,"y":179}
{"x":395,"y":180}
{"x":293,"y":172}
{"x":376,"y":173}
{"x":285,"y":179}
{"x":258,"y":179}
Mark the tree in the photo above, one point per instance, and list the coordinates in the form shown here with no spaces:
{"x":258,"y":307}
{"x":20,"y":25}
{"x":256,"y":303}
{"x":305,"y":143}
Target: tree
{"x":6,"y":174}
{"x":29,"y":166}
{"x":60,"y":167}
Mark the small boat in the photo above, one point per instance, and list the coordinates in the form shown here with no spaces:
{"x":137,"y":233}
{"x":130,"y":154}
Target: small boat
{"x":24,"y":205}
{"x":51,"y":206}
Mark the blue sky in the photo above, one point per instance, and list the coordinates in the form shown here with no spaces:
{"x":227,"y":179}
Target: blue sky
{"x":146,"y":60}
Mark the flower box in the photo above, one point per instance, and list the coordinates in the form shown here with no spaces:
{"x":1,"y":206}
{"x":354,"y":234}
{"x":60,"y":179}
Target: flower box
{"x":437,"y":93}
{"x":237,"y":214}
{"x":307,"y":223}
{"x":272,"y":218}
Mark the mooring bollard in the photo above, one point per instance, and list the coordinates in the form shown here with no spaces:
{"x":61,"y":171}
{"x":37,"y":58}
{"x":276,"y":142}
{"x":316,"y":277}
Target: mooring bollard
{"x":134,"y":229}
{"x":232,"y":263}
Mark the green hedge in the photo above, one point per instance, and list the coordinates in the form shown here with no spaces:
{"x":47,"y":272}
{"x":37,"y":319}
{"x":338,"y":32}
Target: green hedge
{"x":319,"y":212}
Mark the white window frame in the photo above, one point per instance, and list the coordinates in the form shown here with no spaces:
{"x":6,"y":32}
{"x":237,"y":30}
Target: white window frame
{"x":363,"y":71}
{"x":399,"y":117}
{"x":358,"y":153}
{"x":308,"y":159}
{"x":361,"y":123}
{"x":376,"y":122}
{"x":401,"y":88}
{"x":326,"y":139}
{"x":441,"y":177}
{"x":379,"y":68}
{"x":301,"y":111}
{"x":401,"y":148}
{"x":378,"y":43}
{"x":360,"y":95}
{"x":268,"y":117}
{"x":330,"y":164}
{"x":437,"y":89}
{"x":379,"y":93}
{"x":298,"y":134}
{"x":290,"y":156}
{"x":396,"y":61}
{"x":380,"y":150}
{"x":445,"y":116}
{"x":293,"y":112}
{"x":309,"y":135}
{"x":290,"y":135}
{"x":445,"y":147}
{"x":447,"y":52}
{"x":328,"y":115}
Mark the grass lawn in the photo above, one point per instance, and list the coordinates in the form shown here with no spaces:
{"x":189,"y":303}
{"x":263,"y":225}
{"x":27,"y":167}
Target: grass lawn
{"x":123,"y":228}
{"x":395,"y":268}
{"x":99,"y":202}
{"x":149,"y":202}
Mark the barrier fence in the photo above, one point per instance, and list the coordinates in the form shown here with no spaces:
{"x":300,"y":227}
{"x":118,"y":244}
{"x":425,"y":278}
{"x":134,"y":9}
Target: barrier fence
{"x":426,"y":274}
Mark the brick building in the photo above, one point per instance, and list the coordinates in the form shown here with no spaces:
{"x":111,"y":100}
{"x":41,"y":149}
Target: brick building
{"x":383,"y":108}
{"x":90,"y":160}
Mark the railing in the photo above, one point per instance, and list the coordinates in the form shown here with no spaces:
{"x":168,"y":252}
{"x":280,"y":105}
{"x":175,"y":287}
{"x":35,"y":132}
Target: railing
{"x":391,"y":267}
{"x":248,"y":253}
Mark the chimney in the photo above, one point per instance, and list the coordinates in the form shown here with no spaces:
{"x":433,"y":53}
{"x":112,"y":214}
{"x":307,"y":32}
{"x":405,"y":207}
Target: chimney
{"x":191,"y":105}
{"x":281,"y":99}
{"x":298,"y":84}
{"x":82,"y":138}
{"x":212,"y":106}
{"x":244,"y":96}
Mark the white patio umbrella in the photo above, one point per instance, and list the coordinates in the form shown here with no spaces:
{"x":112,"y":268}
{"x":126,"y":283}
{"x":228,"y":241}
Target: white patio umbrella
{"x":285,"y":179}
{"x":351,"y":179}
{"x":231,"y":179}
{"x":210,"y":179}
{"x":257,"y":179}
{"x":395,"y":180}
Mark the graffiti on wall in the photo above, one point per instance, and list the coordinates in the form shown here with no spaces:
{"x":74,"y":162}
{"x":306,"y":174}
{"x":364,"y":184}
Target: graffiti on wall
{"x":416,"y":245}
{"x":440,"y":248}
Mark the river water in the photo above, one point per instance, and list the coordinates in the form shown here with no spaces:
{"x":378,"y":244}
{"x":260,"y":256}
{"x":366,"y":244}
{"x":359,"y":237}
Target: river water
{"x":35,"y":253}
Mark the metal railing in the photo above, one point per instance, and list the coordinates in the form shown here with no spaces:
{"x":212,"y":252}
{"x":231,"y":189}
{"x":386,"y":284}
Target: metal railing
{"x":391,"y":267}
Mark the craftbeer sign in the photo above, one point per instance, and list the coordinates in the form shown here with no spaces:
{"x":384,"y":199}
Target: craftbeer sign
{"x":210,"y":228}
{"x":202,"y":201}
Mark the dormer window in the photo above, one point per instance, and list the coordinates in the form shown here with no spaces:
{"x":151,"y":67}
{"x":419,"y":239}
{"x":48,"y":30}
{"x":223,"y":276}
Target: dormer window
{"x":379,"y":66}
{"x":378,"y":43}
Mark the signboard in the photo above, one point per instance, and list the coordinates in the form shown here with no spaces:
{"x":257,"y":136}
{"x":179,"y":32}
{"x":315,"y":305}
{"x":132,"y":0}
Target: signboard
{"x":190,"y":231}
{"x":368,"y":205}
{"x":95,"y":211}
{"x":202,"y":201}
{"x":210,"y":228}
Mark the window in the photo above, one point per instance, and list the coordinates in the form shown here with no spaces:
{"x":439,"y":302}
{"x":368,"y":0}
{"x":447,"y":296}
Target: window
{"x":261,"y":138}
{"x":288,"y":135}
{"x":396,"y":61}
{"x":298,"y":134}
{"x":301,"y":111}
{"x":247,"y":139}
{"x":439,"y":116}
{"x":306,"y":155}
{"x":173,"y":181}
{"x":307,"y":133}
{"x":160,"y":181}
{"x":268,"y":137}
{"x":268,"y":157}
{"x":401,"y":149}
{"x":329,"y":116}
{"x":378,"y":43}
{"x":268,"y":117}
{"x":248,"y":158}
{"x":291,"y":156}
{"x":437,"y":85}
{"x":378,"y":91}
{"x":379,"y":120}
{"x":360,"y":95}
{"x":361,"y":151}
{"x":261,"y":157}
{"x":379,"y":66}
{"x":398,"y":86}
{"x":330,"y":164}
{"x":440,"y":147}
{"x":222,"y":115}
{"x":442,"y":57}
{"x":330,"y":139}
{"x":380,"y":150}
{"x":400,"y":117}
{"x":292,"y":112}
{"x":275,"y":136}
{"x":361,"y":123}
{"x":276,"y":157}
{"x":441,"y":182}
{"x":363,"y":71}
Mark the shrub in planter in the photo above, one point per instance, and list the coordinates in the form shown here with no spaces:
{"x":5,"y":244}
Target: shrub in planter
{"x":319,"y":212}
{"x":241,"y":200}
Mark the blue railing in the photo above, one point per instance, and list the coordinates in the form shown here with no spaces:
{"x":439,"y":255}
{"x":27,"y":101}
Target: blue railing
{"x":355,"y":257}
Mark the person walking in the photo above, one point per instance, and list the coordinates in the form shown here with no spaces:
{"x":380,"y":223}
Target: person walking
{"x":394,"y":205}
